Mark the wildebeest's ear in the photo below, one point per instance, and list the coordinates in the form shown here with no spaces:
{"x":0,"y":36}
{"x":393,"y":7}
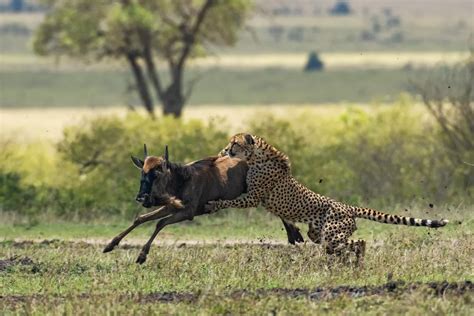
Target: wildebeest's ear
{"x":137,"y":162}
{"x":166,"y":153}
{"x":166,"y":163}
{"x":249,"y":139}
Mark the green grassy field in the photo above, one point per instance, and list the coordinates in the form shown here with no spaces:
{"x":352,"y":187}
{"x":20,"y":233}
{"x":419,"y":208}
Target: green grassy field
{"x":59,"y":277}
{"x":254,"y":224}
{"x":439,"y":25}
{"x":345,"y":34}
{"x":235,"y":278}
{"x":230,"y":87}
{"x":259,"y":68}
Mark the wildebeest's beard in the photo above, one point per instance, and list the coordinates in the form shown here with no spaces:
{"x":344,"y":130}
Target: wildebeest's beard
{"x":159,"y":200}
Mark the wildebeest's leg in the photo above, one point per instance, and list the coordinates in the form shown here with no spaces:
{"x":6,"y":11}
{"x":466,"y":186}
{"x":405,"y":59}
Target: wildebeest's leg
{"x":185,"y":214}
{"x":293,"y":232}
{"x":156,"y":214}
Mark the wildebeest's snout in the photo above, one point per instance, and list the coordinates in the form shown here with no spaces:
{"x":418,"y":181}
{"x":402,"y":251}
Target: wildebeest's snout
{"x":144,"y":200}
{"x":140,"y":198}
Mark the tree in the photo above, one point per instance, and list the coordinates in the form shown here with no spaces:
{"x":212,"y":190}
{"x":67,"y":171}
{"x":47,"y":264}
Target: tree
{"x":341,"y":8}
{"x":313,"y":63}
{"x":141,"y":32}
{"x":448,"y":95}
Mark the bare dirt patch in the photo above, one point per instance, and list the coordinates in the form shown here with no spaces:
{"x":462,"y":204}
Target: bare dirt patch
{"x":43,"y":242}
{"x":138,"y":243}
{"x":395,"y":288}
{"x":323,"y":293}
{"x":390,"y":288}
{"x":14,"y":261}
{"x":168,"y":297}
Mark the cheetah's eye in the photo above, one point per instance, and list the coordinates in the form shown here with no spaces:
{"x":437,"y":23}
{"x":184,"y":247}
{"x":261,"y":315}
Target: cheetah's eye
{"x":235,"y":146}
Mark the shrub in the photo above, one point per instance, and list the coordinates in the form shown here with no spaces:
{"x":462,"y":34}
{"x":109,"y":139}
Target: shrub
{"x":376,"y":158}
{"x":313,"y":63}
{"x":341,"y":8}
{"x":14,"y":195}
{"x":100,"y":152}
{"x":448,"y":96}
{"x":385,"y":156}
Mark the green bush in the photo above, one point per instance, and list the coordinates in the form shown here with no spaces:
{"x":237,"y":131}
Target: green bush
{"x":383,"y":157}
{"x":14,"y":195}
{"x":89,"y":173}
{"x":376,"y":158}
{"x":99,"y":151}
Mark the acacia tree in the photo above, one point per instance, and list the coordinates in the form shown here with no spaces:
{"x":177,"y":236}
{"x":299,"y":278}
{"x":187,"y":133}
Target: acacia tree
{"x":448,"y":94}
{"x":141,"y":32}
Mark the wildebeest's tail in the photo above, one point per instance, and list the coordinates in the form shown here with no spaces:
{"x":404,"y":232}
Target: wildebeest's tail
{"x":380,"y":217}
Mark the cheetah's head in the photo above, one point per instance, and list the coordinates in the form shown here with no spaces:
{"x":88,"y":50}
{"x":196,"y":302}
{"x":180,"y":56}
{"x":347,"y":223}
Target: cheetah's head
{"x":240,"y":146}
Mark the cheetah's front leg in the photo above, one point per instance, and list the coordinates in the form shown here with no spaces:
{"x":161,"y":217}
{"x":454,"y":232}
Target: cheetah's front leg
{"x":246,"y":201}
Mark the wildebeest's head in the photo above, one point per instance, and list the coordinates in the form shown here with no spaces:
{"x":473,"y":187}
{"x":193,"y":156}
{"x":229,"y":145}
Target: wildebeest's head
{"x":155,"y":176}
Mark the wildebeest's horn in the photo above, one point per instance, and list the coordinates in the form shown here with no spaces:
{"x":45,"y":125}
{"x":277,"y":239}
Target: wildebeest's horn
{"x":166,"y":153}
{"x":145,"y":152}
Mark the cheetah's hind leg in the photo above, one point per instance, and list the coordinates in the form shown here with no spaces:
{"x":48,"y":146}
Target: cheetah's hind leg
{"x":344,"y":251}
{"x":358,"y":247}
{"x":314,"y":233}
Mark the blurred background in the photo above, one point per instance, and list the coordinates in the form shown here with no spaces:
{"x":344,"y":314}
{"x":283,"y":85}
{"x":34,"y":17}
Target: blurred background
{"x":371,"y":100}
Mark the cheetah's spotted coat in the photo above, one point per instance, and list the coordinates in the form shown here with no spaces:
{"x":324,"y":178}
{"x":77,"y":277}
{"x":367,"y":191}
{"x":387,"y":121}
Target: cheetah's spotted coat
{"x":271,"y":183}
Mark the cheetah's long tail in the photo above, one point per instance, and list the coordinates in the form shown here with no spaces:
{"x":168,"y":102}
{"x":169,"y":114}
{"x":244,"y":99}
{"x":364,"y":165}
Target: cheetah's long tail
{"x":380,"y":217}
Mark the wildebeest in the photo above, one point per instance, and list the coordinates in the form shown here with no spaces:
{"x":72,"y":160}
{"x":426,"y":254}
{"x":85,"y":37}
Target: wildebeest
{"x":182,"y":191}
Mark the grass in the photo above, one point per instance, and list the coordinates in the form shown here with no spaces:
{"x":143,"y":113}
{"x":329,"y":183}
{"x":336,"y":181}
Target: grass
{"x":60,"y":277}
{"x":347,"y":36}
{"x":423,"y":28}
{"x":439,"y":26}
{"x":216,"y":86}
{"x":332,"y":61}
{"x":235,"y":225}
{"x":413,"y":304}
{"x":253,"y":224}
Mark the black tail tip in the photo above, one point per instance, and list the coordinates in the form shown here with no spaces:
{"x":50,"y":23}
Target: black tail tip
{"x":440,"y":223}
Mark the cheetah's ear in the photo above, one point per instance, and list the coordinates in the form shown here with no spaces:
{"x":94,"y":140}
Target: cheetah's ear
{"x":249,"y":139}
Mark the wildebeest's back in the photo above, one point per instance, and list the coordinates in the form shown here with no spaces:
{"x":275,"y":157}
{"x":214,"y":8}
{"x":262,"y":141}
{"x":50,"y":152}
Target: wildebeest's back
{"x":219,"y":178}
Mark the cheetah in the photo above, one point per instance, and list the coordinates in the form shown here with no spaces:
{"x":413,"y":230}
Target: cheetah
{"x":270,"y":182}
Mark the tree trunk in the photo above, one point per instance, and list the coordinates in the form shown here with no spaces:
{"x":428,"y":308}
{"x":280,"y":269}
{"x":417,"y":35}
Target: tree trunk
{"x":151,"y":70}
{"x":141,"y":84}
{"x":173,"y":100}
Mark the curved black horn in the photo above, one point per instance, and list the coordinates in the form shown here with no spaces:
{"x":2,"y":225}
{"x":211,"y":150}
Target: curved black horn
{"x":166,"y":153}
{"x":145,"y":152}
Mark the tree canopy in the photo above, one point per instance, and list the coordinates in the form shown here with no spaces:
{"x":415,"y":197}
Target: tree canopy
{"x":140,"y":31}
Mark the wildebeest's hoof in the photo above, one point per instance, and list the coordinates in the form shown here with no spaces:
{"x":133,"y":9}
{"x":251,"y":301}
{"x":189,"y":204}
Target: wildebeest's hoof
{"x":110,"y":246}
{"x":141,"y":258}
